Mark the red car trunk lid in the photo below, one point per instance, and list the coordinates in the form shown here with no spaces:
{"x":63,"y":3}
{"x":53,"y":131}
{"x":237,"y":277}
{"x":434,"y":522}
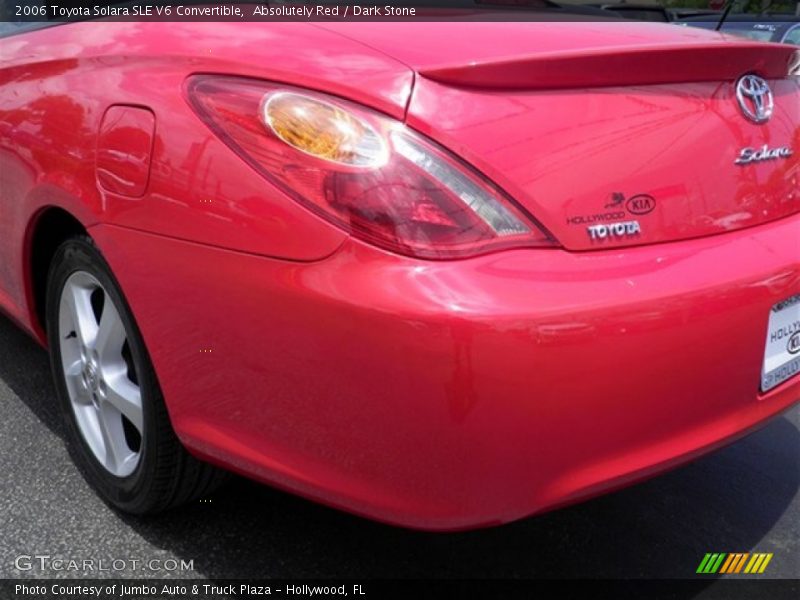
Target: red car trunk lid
{"x":610,"y":134}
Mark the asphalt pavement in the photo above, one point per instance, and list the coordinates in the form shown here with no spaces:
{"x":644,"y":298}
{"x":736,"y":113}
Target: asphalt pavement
{"x":743,"y":498}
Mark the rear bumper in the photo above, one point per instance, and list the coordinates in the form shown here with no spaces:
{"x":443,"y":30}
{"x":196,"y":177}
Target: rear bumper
{"x":461,"y":394}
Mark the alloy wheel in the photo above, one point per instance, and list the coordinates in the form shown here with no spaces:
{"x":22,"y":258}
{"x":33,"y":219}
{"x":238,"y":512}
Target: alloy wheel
{"x":100,"y":374}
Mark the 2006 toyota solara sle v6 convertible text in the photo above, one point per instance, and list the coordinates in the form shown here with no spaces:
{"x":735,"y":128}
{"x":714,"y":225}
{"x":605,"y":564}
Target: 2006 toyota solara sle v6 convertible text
{"x":444,"y":275}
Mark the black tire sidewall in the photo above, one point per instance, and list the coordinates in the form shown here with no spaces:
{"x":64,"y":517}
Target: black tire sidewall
{"x":129,"y":493}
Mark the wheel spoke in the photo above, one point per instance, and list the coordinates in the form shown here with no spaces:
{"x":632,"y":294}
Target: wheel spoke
{"x":79,"y":304}
{"x":110,"y":335}
{"x":108,"y":418}
{"x":125,"y":396}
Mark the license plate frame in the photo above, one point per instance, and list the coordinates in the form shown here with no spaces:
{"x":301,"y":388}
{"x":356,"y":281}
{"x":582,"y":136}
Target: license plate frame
{"x":782,"y":350}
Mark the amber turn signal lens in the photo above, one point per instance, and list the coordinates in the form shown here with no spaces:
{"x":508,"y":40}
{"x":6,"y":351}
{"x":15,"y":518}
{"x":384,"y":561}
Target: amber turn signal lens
{"x":324,"y":130}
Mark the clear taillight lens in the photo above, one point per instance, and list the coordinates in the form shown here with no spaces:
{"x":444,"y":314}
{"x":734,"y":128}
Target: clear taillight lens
{"x":365,"y":172}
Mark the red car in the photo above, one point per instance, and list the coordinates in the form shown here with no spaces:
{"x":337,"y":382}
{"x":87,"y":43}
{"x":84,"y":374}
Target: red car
{"x":444,"y":275}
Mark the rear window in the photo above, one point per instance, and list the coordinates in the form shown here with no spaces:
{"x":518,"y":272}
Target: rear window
{"x":13,"y":28}
{"x":793,"y":37}
{"x":763,"y":32}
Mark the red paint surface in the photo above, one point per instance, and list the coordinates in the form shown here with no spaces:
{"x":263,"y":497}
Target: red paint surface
{"x":435,"y":394}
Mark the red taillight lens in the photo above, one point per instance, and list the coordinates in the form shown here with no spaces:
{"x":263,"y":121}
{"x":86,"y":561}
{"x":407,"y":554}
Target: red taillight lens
{"x":363,"y":171}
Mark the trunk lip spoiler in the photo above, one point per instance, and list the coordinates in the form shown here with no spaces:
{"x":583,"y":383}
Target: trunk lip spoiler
{"x":613,"y":66}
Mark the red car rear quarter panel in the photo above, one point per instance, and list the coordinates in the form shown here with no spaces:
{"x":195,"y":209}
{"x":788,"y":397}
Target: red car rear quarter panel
{"x":447,"y":395}
{"x":57,"y":83}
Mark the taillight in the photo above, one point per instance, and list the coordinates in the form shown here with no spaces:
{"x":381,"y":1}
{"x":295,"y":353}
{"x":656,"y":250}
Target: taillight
{"x":363,"y":171}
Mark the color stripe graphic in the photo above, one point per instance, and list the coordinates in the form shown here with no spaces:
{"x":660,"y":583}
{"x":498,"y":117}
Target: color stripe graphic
{"x":732,"y":563}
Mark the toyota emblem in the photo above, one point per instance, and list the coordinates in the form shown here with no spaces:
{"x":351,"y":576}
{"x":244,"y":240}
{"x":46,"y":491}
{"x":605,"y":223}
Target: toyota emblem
{"x":755,"y":98}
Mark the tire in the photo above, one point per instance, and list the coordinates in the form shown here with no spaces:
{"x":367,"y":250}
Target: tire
{"x":119,"y":433}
